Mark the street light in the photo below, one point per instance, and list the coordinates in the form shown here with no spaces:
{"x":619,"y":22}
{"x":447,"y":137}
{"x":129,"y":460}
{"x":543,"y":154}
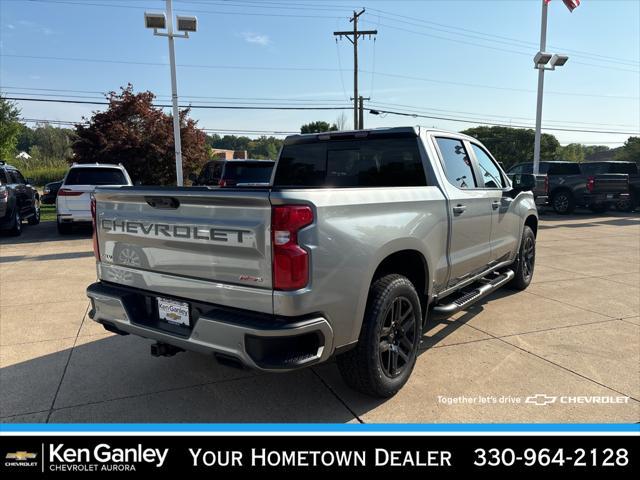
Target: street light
{"x":540,"y":61}
{"x":160,"y":21}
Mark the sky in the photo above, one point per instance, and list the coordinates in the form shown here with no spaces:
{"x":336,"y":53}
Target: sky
{"x":466,"y":60}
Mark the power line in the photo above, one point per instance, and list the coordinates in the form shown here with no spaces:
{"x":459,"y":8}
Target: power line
{"x":510,"y":39}
{"x":312,"y":69}
{"x":493,"y":124}
{"x":450,"y":29}
{"x":414,"y":115}
{"x":383,"y":104}
{"x":214,"y":107}
{"x":500,"y":49}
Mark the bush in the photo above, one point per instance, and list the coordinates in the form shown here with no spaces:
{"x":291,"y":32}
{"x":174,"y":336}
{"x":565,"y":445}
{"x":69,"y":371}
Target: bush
{"x":40,"y":176}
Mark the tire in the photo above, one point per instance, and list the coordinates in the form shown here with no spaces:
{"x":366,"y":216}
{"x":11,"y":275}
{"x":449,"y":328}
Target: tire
{"x":35,"y":218}
{"x":16,"y":226}
{"x":64,"y":228}
{"x":628,"y":205}
{"x":386,"y":339}
{"x":526,"y":261}
{"x":563,"y":202}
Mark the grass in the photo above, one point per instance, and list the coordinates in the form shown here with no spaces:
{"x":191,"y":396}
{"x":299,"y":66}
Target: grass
{"x":47,"y":213}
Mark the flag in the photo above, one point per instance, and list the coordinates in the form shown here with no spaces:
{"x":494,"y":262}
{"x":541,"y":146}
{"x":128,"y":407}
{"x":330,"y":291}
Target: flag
{"x":571,"y":4}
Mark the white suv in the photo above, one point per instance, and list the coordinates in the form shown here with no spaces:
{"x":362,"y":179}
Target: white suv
{"x":73,"y":204}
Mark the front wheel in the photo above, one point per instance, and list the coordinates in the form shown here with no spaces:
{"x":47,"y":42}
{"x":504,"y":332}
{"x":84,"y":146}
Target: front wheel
{"x":386,"y":352}
{"x":627,"y":204}
{"x":563,"y":202}
{"x":35,"y":218}
{"x":16,"y":226}
{"x":525,"y":262}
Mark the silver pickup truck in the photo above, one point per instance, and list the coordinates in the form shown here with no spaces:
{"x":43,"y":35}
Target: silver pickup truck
{"x":360,"y":239}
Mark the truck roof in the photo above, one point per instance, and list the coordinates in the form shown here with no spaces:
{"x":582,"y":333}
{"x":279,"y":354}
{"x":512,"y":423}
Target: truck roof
{"x":369,"y":132}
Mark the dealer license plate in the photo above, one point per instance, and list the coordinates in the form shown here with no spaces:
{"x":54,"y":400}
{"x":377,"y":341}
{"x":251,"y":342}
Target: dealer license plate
{"x":173,"y":312}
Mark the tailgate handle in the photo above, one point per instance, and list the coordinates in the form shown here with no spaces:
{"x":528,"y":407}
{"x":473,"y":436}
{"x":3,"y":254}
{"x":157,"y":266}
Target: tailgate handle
{"x":163,"y":202}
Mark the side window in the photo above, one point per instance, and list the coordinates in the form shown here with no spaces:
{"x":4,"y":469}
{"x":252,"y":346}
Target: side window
{"x":457,"y":164}
{"x":488,"y":169}
{"x":19,"y":178}
{"x":13,"y":177}
{"x":3,"y":178}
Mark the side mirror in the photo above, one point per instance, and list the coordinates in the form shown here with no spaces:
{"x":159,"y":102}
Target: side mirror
{"x":193,"y":177}
{"x":523,"y":181}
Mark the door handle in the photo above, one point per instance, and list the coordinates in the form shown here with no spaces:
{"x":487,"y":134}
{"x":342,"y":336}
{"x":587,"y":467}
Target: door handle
{"x":495,"y":204}
{"x":459,"y":209}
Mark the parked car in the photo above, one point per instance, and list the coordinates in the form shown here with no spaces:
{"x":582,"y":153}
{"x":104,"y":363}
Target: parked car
{"x":626,"y":168}
{"x":569,"y":187}
{"x":362,"y":237}
{"x":50,"y":192}
{"x":235,"y":173}
{"x":73,"y":203}
{"x":19,"y":201}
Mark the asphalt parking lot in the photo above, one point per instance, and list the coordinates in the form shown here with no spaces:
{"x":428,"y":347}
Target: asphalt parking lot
{"x":557,"y":352}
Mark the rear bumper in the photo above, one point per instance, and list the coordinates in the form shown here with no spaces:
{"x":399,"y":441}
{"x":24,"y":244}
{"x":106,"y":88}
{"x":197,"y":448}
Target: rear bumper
{"x":604,"y":198}
{"x":78,"y":217}
{"x":260,"y":341}
{"x":542,"y":200}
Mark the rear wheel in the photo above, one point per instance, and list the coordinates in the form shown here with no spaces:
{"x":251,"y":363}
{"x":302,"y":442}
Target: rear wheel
{"x":563,"y":202}
{"x":386,"y":352}
{"x":526,"y":261}
{"x":64,"y":228}
{"x":628,"y":204}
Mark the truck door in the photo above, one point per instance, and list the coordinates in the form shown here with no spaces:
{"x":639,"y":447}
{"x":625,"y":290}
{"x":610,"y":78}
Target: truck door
{"x":505,"y":221}
{"x":470,"y":213}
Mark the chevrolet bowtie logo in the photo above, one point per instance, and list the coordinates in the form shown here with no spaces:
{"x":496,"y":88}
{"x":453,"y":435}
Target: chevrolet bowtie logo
{"x":21,"y":456}
{"x":540,"y":399}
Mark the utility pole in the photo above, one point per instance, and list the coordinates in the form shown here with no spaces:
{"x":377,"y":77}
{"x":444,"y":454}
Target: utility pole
{"x":353,"y":36}
{"x":161,"y":21}
{"x":361,"y":100}
{"x":538,"y":134}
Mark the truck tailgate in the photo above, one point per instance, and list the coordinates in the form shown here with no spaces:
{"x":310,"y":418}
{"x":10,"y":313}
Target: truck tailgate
{"x":211,"y":238}
{"x":612,"y":183}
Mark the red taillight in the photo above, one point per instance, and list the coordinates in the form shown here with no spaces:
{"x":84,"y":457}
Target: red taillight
{"x":290,"y":261}
{"x":65,"y":192}
{"x":96,"y":247}
{"x":226,"y":183}
{"x":591,"y":184}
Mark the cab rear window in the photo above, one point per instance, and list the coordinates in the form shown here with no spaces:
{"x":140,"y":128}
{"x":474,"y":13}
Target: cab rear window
{"x":95,"y":176}
{"x":241,"y":172}
{"x":376,"y":162}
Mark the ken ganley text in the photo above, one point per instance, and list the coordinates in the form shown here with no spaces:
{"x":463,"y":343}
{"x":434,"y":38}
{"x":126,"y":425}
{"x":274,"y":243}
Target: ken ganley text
{"x":262,"y":457}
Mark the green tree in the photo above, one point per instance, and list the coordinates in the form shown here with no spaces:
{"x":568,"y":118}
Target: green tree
{"x":140,"y":136}
{"x":317,"y":127}
{"x":630,"y":151}
{"x":10,"y":127}
{"x":514,"y":145}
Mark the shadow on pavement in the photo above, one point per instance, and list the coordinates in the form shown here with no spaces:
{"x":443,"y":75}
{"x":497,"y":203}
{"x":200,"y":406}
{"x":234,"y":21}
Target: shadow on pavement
{"x":45,"y":232}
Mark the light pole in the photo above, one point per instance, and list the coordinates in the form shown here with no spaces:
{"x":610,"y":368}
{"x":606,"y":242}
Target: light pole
{"x":540,"y":61}
{"x":160,"y":21}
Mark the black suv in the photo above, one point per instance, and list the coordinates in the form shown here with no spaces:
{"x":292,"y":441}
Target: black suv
{"x":18,"y":200}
